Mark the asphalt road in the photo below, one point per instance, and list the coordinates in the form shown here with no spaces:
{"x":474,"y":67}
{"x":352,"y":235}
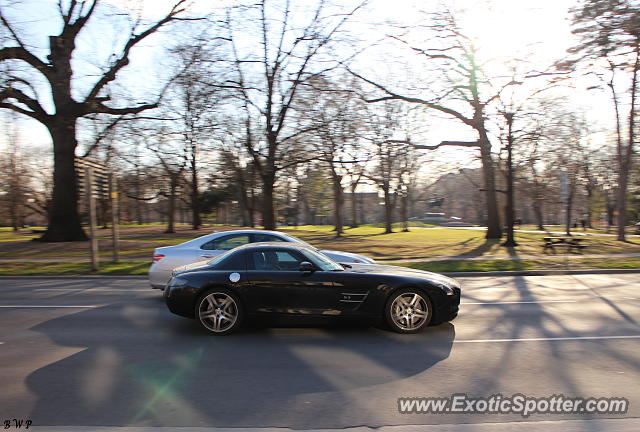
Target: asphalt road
{"x":106,"y":352}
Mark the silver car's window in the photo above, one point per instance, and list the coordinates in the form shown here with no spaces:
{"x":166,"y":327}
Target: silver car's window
{"x":270,"y":260}
{"x":226,"y":242}
{"x":267,"y":238}
{"x":295,"y":240}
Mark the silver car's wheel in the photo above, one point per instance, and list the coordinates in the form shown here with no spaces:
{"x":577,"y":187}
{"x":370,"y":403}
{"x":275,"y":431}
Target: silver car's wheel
{"x":219,"y":312}
{"x":408,"y":311}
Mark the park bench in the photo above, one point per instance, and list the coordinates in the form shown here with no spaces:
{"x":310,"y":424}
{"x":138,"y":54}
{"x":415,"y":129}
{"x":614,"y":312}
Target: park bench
{"x":571,"y":243}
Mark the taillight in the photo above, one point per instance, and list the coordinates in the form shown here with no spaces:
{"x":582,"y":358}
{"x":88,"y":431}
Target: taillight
{"x":157,"y":257}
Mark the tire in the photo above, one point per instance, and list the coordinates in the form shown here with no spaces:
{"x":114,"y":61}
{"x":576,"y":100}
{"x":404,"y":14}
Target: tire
{"x":408,"y":310}
{"x":219,"y":311}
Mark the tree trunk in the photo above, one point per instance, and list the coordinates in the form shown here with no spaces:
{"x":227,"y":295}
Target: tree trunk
{"x":625,"y":153}
{"x":268,"y":208}
{"x":171,"y":205}
{"x":338,"y":201}
{"x":354,"y":205}
{"x":196,"y":220}
{"x":252,"y":207}
{"x":623,"y":182}
{"x":494,"y":230}
{"x":388,"y":211}
{"x":568,"y":209}
{"x":64,"y":222}
{"x":537,"y":210}
{"x":404,"y":210}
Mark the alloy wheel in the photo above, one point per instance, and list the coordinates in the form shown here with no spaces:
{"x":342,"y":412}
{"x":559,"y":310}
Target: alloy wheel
{"x":409,"y":311}
{"x":218,"y":312}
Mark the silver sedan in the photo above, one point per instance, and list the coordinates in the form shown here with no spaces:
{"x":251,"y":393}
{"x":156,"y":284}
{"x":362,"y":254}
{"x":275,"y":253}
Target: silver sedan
{"x":165,"y":259}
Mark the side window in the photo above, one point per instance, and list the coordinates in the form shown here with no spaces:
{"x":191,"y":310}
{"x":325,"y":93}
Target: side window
{"x":270,"y":260}
{"x":267,"y":238}
{"x":235,"y":261}
{"x":226,"y":242}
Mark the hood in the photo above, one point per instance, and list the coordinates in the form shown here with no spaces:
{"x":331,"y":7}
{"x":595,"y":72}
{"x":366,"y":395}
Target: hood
{"x":336,"y":254}
{"x":190,"y":267}
{"x":402,"y":271}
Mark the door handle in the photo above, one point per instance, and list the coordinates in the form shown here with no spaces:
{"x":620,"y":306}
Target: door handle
{"x":207,"y":256}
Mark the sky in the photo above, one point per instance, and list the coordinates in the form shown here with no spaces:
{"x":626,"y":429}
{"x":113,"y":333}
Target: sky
{"x":538,"y":31}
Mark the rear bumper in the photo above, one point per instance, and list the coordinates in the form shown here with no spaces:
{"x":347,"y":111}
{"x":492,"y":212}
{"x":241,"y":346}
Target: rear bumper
{"x":158,"y":278}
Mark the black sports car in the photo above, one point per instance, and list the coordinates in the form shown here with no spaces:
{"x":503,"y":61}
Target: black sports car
{"x":287,"y":279}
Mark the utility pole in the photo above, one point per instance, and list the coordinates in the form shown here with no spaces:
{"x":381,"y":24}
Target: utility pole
{"x":91,"y":204}
{"x":511,"y":241}
{"x":113,"y":196}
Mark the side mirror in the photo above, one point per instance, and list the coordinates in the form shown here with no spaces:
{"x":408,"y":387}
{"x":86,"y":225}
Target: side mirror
{"x":306,"y":266}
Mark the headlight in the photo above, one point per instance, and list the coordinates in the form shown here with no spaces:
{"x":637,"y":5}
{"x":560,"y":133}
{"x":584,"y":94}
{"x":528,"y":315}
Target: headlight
{"x":447,"y":289}
{"x":177,"y":282}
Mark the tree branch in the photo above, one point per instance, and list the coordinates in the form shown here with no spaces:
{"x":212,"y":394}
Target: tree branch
{"x":20,"y":53}
{"x":99,"y":108}
{"x":448,"y":143}
{"x":395,"y":96}
{"x":123,"y":60}
{"x":37,"y":112}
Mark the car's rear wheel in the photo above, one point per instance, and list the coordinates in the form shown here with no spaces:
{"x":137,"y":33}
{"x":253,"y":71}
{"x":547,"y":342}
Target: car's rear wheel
{"x":219,"y":311}
{"x":408,"y":310}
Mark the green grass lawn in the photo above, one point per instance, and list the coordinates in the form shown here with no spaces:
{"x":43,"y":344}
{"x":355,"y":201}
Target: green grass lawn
{"x":72,"y":268}
{"x":138,"y":242}
{"x":440,"y":243}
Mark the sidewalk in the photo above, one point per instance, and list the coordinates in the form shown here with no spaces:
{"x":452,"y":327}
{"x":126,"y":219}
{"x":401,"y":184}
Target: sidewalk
{"x":510,"y":258}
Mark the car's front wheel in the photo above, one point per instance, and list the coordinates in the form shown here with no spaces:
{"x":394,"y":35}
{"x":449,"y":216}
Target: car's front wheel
{"x":408,"y":310}
{"x":219,"y":311}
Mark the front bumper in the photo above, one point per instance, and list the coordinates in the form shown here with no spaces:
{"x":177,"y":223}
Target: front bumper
{"x":449,"y":306}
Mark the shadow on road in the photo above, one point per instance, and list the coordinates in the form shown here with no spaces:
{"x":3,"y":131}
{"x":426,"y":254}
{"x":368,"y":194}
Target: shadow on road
{"x":140,"y":365}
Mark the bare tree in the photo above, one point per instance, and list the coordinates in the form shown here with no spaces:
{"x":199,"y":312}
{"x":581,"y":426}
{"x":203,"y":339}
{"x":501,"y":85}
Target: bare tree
{"x":266,"y":82}
{"x":23,"y":92}
{"x":609,"y":33}
{"x":458,"y":62}
{"x":392,"y":158}
{"x":174,"y":162}
{"x":15,"y":176}
{"x":335,"y":119}
{"x":192,"y":101}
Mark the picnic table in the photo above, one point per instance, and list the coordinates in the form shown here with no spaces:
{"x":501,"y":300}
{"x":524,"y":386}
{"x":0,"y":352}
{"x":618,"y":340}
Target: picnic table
{"x":571,"y":243}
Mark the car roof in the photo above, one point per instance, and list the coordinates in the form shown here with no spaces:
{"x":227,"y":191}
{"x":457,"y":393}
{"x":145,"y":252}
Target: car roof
{"x":245,"y":231}
{"x":217,"y":234}
{"x":274,"y":245}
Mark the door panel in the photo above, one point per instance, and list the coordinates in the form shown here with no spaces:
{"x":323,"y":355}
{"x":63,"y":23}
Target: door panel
{"x":278,"y":287}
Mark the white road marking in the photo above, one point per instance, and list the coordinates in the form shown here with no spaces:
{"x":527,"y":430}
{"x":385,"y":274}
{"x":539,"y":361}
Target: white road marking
{"x":521,"y":302}
{"x":546,"y":339}
{"x":49,"y":306}
{"x":94,"y":289}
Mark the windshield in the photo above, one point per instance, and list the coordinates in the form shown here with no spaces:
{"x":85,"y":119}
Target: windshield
{"x":323,"y":262}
